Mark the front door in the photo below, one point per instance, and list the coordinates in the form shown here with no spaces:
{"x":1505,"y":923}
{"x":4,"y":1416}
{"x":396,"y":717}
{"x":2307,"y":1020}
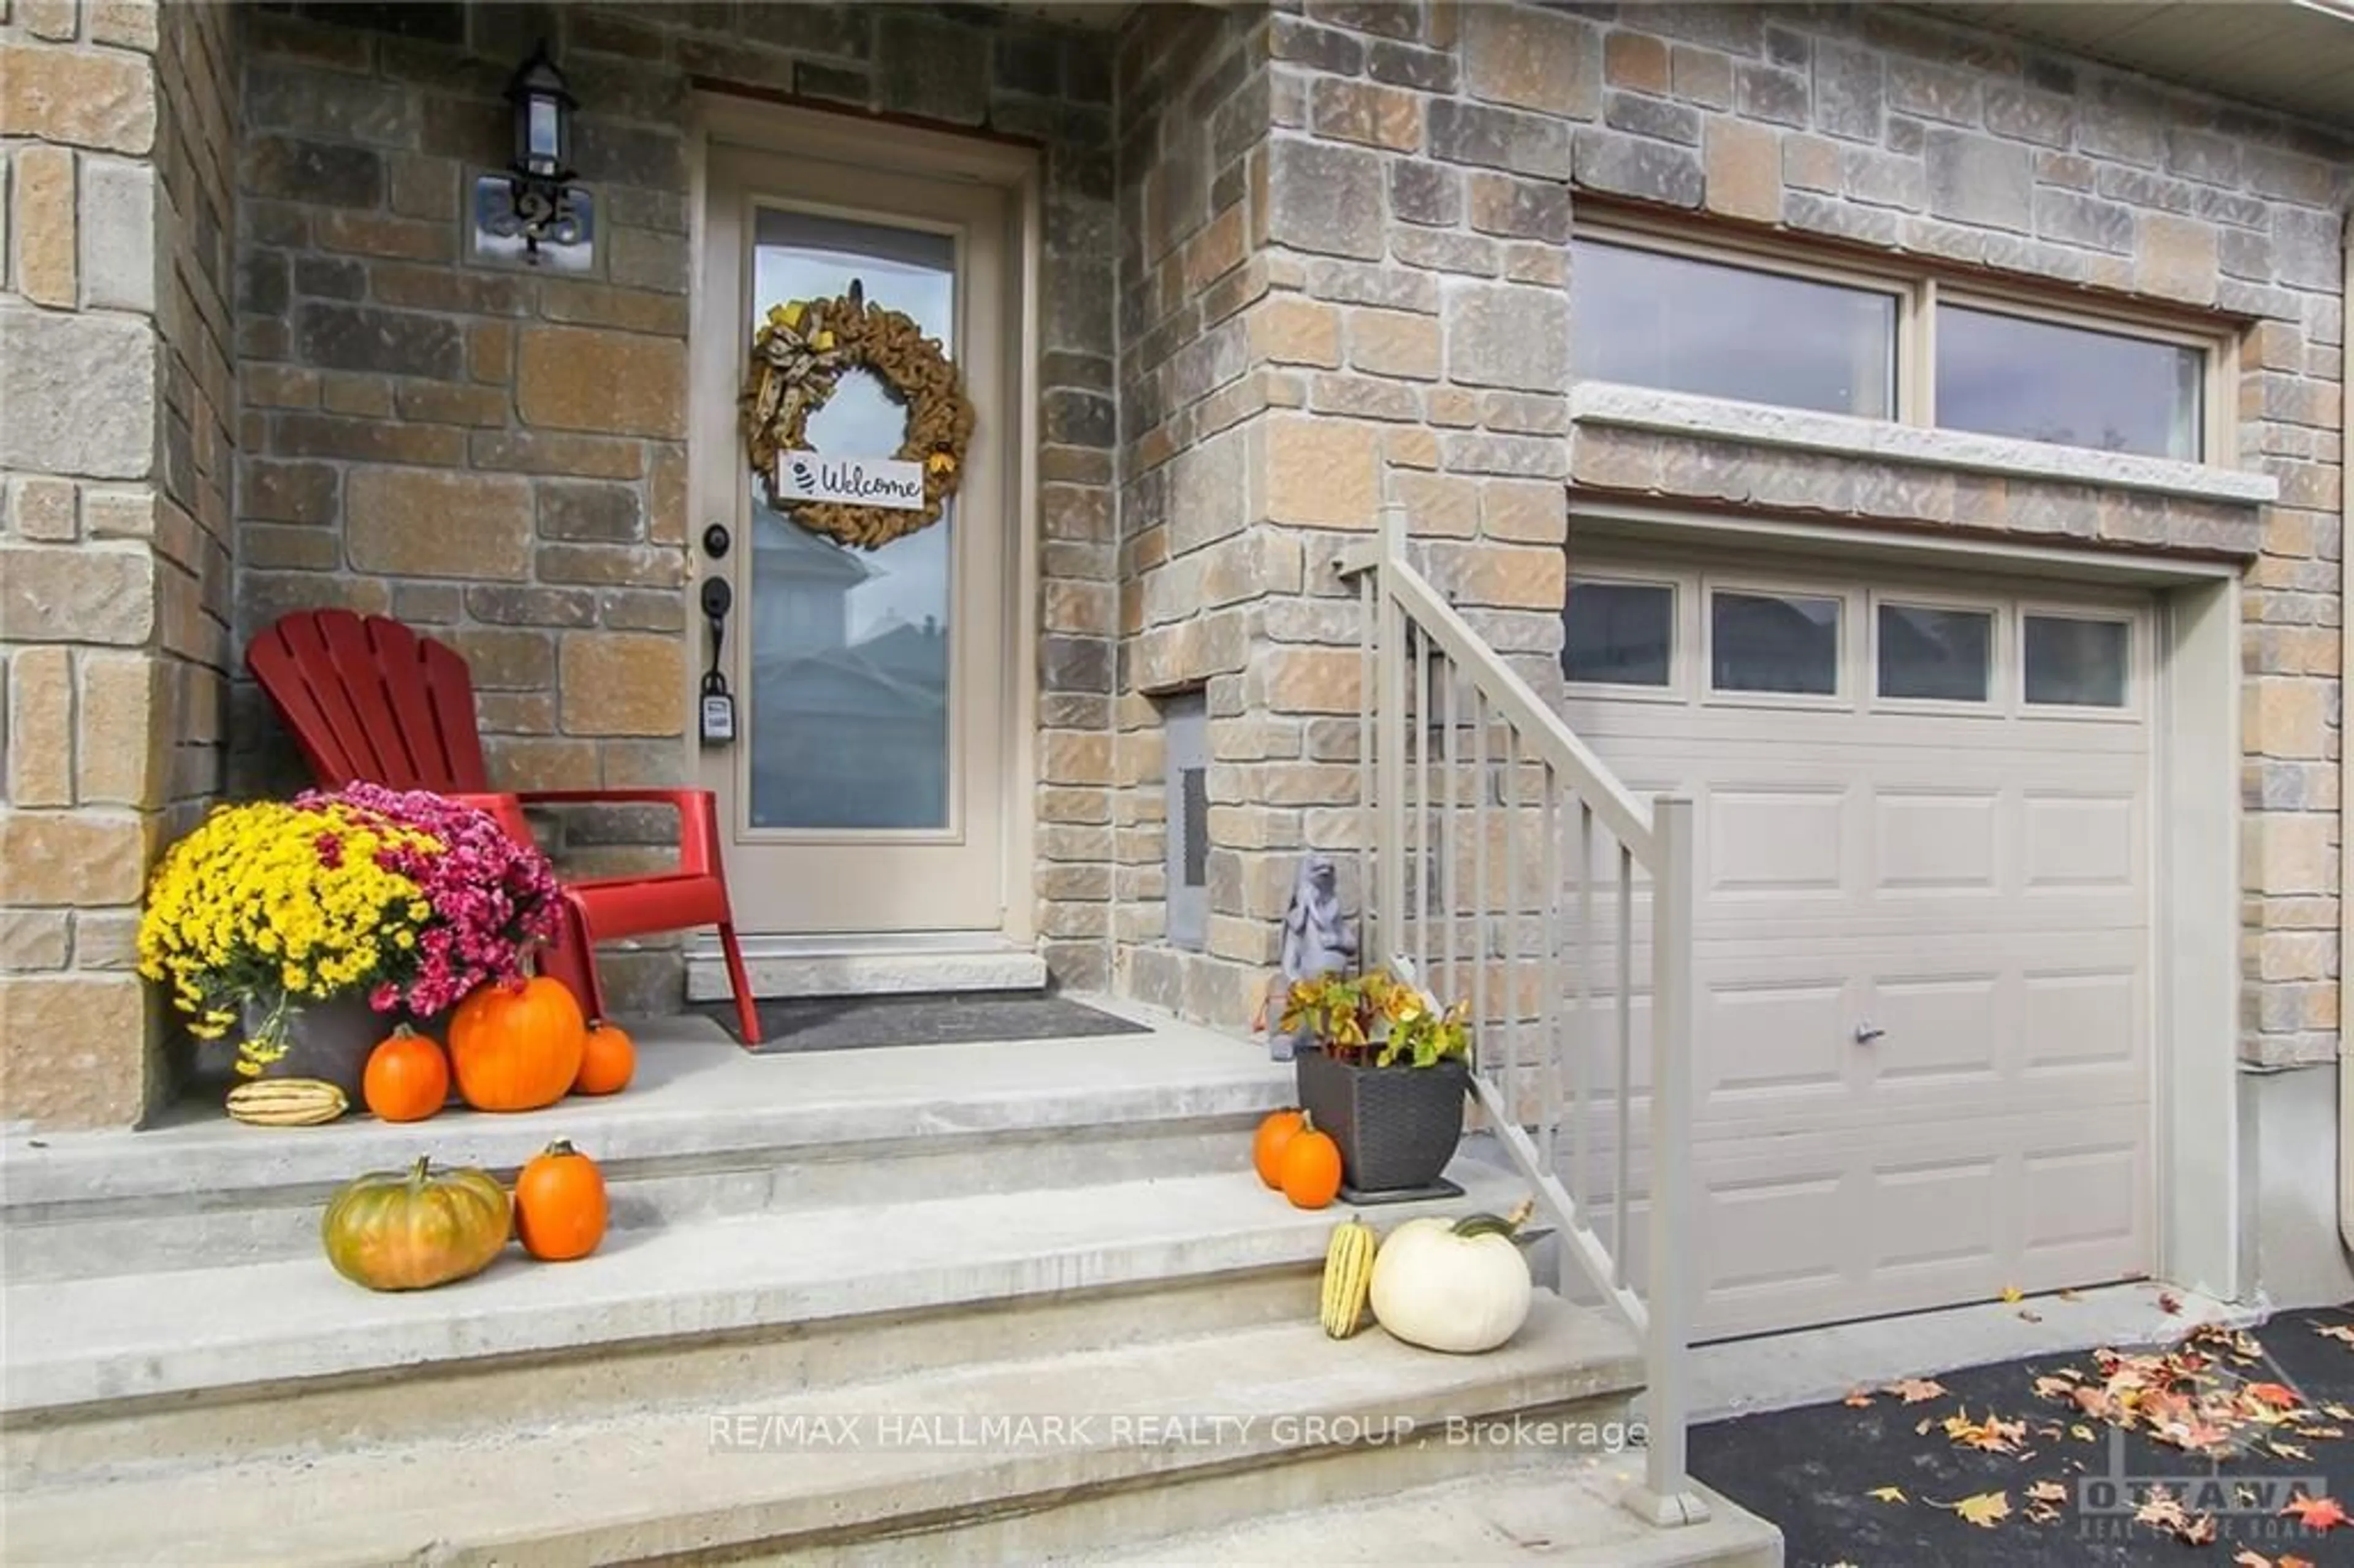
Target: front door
{"x":865,"y":787}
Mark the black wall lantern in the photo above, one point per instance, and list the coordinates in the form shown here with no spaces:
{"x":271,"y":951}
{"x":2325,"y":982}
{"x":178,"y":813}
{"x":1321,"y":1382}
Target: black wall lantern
{"x":542,"y":202}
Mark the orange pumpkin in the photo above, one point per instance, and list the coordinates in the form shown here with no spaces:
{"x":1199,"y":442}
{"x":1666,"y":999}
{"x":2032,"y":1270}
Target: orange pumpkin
{"x":559,"y":1204}
{"x":608,"y":1059}
{"x":407,"y":1078}
{"x":1312,"y":1169}
{"x":516,"y":1047}
{"x":1267,"y":1144}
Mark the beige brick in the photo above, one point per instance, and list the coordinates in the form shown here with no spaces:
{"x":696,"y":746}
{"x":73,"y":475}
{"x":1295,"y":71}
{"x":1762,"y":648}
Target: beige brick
{"x":43,"y":509}
{"x":129,"y":24}
{"x":106,"y":939}
{"x":1532,"y":59}
{"x":517,"y":763}
{"x":1218,"y":249}
{"x":1287,"y":330}
{"x":119,"y":513}
{"x":1745,"y":170}
{"x":82,"y":859}
{"x":417,"y":523}
{"x":1530,"y":511}
{"x":2287,"y":718}
{"x":1411,"y":448}
{"x":34,"y":939}
{"x":2176,"y":258}
{"x":377,"y":234}
{"x":1810,"y":162}
{"x":80,"y":1055}
{"x":93,"y":98}
{"x":362,"y":397}
{"x":81,"y":593}
{"x":123,"y":755}
{"x":1439,"y":503}
{"x":1501,"y":577}
{"x":1351,"y":111}
{"x":490,"y":351}
{"x":1310,"y":679}
{"x":622,"y":683}
{"x":618,"y":382}
{"x":44,"y":227}
{"x":442,"y":403}
{"x":40,"y":727}
{"x":1075,"y":757}
{"x":278,"y":386}
{"x":53,"y":19}
{"x":1394,"y":342}
{"x":1322,"y":473}
{"x":2290,"y":852}
{"x":666,"y":522}
{"x":1634,"y":60}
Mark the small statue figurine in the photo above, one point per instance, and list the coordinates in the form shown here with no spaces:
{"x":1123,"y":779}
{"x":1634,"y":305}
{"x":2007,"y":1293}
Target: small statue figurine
{"x":1317,"y":940}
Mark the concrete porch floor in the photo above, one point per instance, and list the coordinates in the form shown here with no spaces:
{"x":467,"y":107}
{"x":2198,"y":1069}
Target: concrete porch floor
{"x":695,"y":1092}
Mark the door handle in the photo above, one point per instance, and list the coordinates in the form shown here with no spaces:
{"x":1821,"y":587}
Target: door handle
{"x":718,"y":725}
{"x":1867,"y":1032}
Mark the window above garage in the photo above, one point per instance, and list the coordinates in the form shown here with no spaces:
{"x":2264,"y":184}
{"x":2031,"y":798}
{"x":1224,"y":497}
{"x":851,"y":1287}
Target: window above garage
{"x":1664,"y":310}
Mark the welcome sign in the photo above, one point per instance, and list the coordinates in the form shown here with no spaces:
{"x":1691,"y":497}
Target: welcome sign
{"x":886,"y":483}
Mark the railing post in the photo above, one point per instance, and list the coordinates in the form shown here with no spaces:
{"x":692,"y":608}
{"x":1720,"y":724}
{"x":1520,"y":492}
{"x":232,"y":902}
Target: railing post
{"x":1389,"y":746}
{"x":1666,"y":1495}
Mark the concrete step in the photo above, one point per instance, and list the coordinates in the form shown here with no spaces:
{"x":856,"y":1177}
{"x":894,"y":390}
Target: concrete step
{"x":114,"y":1374}
{"x":1258,"y":1419}
{"x":891,"y":965}
{"x":1565,"y":1512}
{"x":708,"y":1131}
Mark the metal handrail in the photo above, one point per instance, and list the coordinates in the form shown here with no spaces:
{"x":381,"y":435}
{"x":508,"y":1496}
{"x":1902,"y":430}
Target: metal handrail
{"x":1408,"y":627}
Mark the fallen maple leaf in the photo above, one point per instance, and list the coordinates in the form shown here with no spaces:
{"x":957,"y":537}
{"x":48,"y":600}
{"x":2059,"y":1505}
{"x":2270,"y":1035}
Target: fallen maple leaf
{"x":2048,"y":1492}
{"x":2316,"y":1513}
{"x":1858,"y":1398}
{"x":2337,"y":1413}
{"x":2289,"y":1561}
{"x":2290,"y":1451}
{"x":2320,"y":1431}
{"x":2071,"y":1296}
{"x":1921,"y":1427}
{"x":2162,"y":1510}
{"x":1984,"y":1509}
{"x":2012,"y":1293}
{"x":2278,"y":1396}
{"x":1913,"y":1389}
{"x":2342,"y":1332}
{"x":1887,"y":1494}
{"x":2199,"y":1532}
{"x":2082,"y":1432}
{"x":2251,"y":1558}
{"x":2170,"y":1303}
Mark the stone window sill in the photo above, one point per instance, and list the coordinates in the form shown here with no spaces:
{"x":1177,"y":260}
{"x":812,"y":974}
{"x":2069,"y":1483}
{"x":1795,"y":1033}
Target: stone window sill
{"x":1603,"y":403}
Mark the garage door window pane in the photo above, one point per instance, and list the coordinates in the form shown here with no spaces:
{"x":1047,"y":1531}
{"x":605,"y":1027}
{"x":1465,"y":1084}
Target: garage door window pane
{"x":2076,"y":663}
{"x":1649,"y":319}
{"x":2008,"y":375}
{"x":1774,"y":642}
{"x":1618,"y":634}
{"x":1940,"y":655}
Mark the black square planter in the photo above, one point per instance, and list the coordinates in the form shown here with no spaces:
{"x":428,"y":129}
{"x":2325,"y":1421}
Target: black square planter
{"x":1396,"y":1126}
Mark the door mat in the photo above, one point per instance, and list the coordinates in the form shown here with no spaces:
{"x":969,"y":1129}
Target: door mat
{"x":793,"y":1024}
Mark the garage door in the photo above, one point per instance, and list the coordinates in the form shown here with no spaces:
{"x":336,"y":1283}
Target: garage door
{"x":1922,"y":959}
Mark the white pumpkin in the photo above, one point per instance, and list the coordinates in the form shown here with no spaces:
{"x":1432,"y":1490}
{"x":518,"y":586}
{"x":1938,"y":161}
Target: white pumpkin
{"x":1463,"y":1286}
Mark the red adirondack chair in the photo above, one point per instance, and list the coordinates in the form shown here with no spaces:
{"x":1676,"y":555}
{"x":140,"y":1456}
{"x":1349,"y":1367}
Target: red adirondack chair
{"x":369,"y":700}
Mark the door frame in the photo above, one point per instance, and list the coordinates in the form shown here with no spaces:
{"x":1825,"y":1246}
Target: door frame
{"x":857,"y":140}
{"x":2200,"y":1189}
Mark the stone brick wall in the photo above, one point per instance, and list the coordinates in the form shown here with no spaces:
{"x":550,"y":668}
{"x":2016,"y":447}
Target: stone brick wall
{"x":1411,"y":337}
{"x":500,"y":457}
{"x":114,"y":372}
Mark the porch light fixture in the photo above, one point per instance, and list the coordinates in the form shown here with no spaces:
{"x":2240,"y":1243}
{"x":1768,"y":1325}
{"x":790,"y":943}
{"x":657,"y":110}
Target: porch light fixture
{"x":539,"y":180}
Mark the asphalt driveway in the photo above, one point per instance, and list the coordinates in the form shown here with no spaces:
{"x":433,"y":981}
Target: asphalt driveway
{"x":2187,"y":1454}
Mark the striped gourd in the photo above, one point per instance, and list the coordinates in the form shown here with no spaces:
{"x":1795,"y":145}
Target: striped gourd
{"x":1348,"y":1276}
{"x":287,"y":1102}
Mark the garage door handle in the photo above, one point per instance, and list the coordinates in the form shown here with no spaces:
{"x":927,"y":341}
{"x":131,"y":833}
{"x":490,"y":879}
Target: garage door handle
{"x":1865,"y":1034}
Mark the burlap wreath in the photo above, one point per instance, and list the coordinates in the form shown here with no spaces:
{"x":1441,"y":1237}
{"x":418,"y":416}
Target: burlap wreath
{"x":800,"y":356}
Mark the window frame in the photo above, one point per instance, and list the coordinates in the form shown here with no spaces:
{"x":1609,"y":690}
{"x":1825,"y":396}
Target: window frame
{"x":2137,"y":670}
{"x":1676,"y":688}
{"x":1997,"y":704}
{"x":1850,"y":679}
{"x":1919,"y":289}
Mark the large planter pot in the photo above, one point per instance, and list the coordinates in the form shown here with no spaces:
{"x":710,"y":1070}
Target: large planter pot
{"x":325,"y":1040}
{"x":1397,"y":1126}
